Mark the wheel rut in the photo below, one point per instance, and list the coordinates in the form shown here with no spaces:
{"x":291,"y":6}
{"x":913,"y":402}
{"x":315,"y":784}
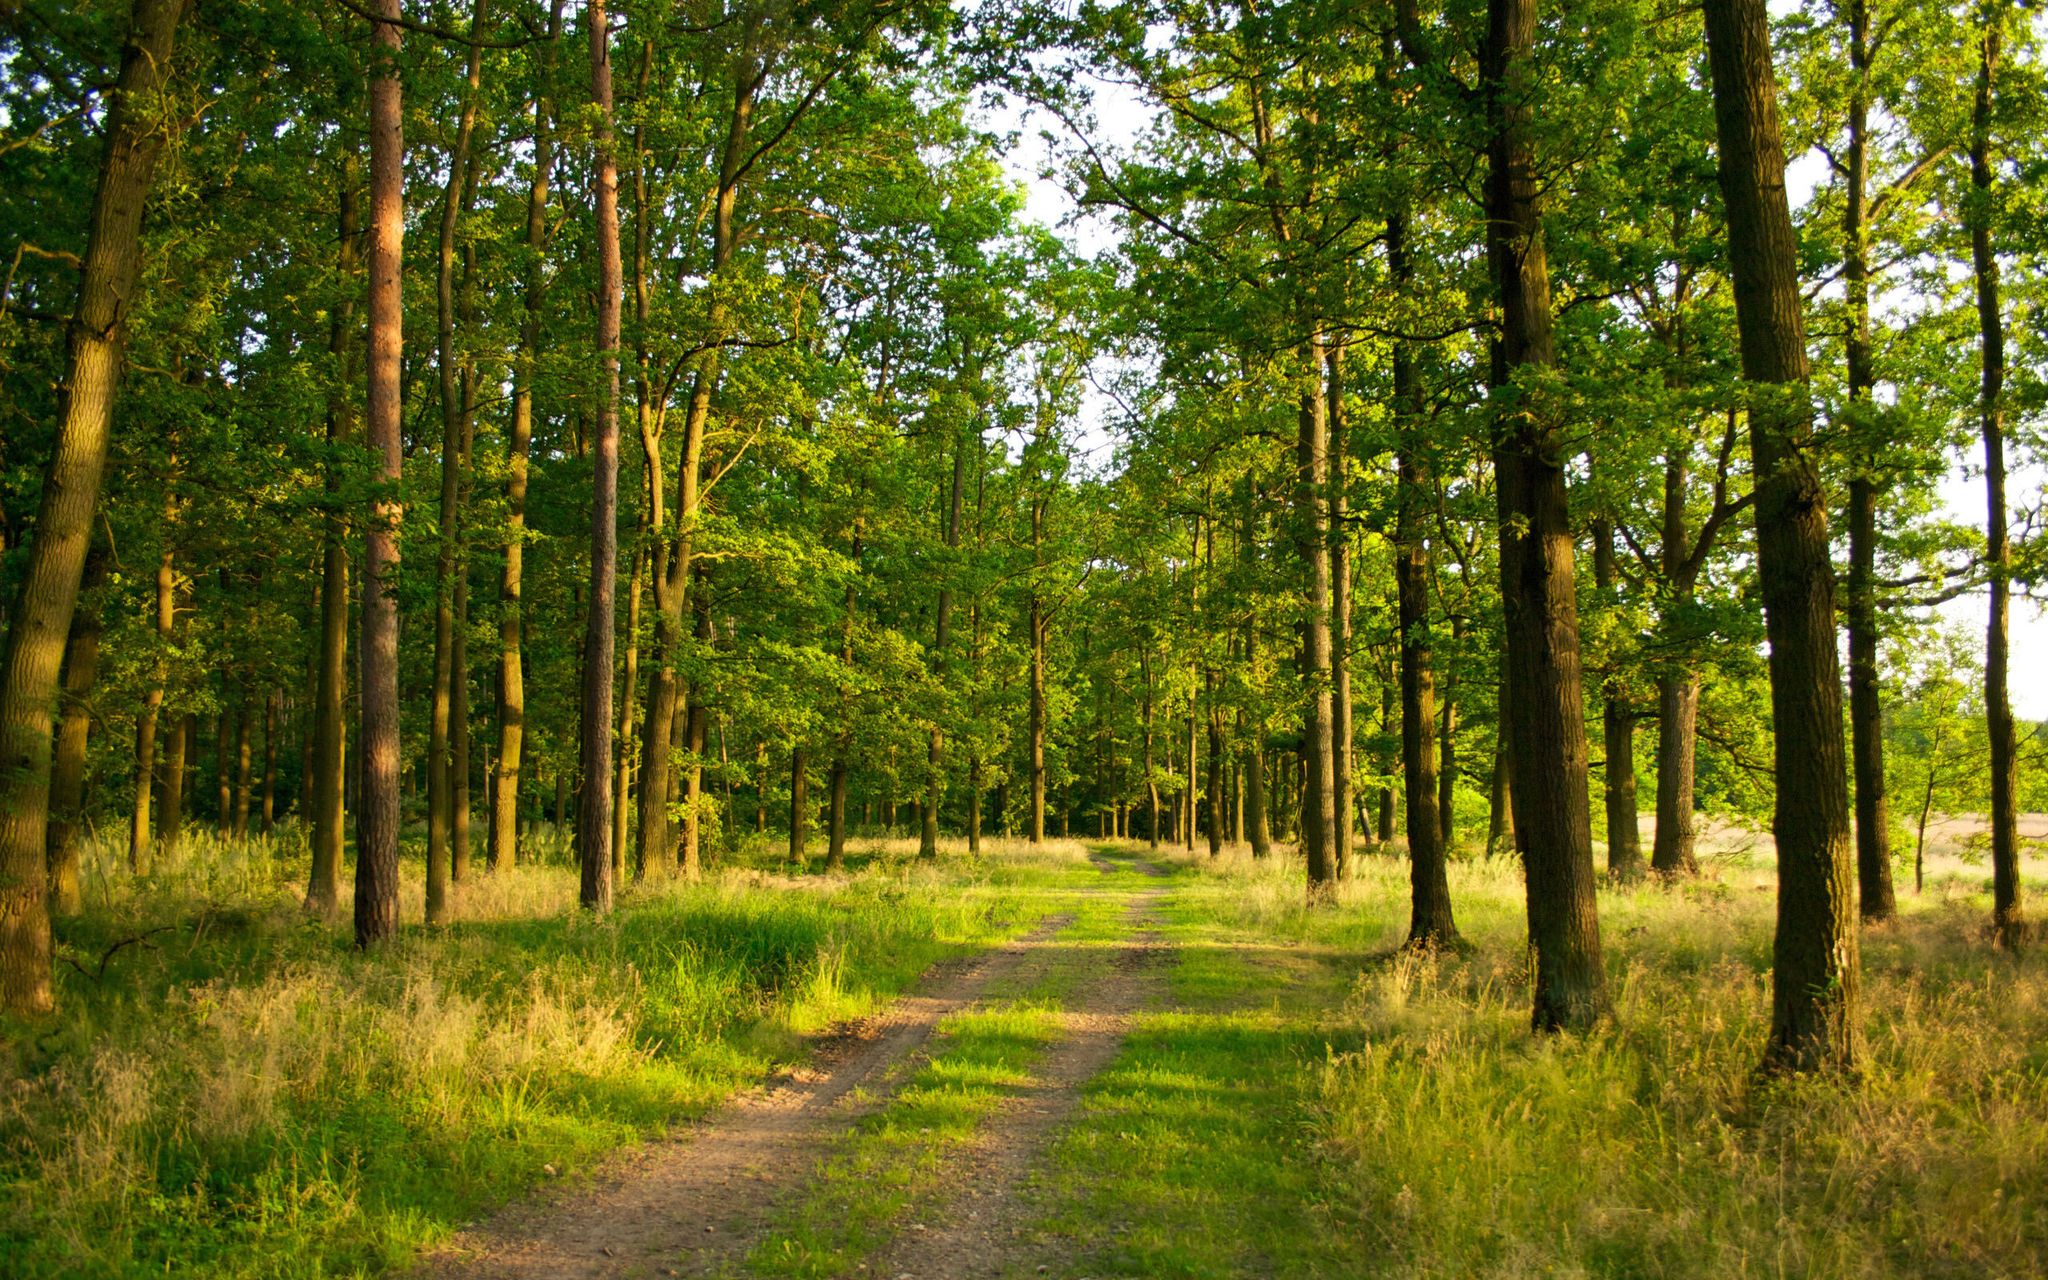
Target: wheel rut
{"x":981,"y":1229}
{"x":690,"y":1203}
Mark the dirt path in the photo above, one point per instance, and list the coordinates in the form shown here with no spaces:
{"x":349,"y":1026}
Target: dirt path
{"x":980,"y":1230}
{"x":688,"y":1204}
{"x":693,"y":1205}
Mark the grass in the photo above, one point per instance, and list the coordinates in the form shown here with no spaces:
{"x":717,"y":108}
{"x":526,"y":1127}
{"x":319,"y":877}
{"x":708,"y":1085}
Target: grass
{"x":237,"y":1092}
{"x":243,"y":1095}
{"x":1322,"y":1103}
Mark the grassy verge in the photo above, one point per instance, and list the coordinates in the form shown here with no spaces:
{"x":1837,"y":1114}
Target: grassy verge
{"x":236,"y":1092}
{"x":1322,"y":1104}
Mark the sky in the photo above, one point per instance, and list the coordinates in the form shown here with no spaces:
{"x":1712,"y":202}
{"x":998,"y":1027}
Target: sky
{"x":1122,"y":117}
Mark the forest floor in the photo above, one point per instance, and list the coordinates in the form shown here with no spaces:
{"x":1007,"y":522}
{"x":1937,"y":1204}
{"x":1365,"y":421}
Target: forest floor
{"x":1084,"y":1061}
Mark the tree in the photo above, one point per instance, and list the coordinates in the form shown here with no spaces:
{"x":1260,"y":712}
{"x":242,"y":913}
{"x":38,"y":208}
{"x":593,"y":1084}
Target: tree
{"x":377,"y":815}
{"x":1816,"y":965}
{"x":40,"y":619}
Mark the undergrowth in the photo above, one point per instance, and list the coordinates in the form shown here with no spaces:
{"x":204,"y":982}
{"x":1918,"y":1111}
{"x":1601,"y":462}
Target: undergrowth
{"x":230,"y":1089}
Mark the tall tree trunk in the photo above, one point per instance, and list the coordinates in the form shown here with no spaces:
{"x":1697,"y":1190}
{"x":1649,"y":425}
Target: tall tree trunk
{"x":1678,"y":700}
{"x":935,"y":778}
{"x":629,"y":693}
{"x":244,"y":764}
{"x":440,"y":779}
{"x":511,"y":683}
{"x":594,"y":804}
{"x":67,"y":775}
{"x":1447,"y":745}
{"x":697,"y":718}
{"x":376,"y":905}
{"x":2007,"y":914}
{"x":671,"y":576}
{"x":1151,"y":764}
{"x":1430,"y":921}
{"x":835,"y":830}
{"x":328,"y":763}
{"x":271,"y":699}
{"x":39,"y":624}
{"x":1618,"y":725}
{"x":170,"y":804}
{"x":1537,"y":584}
{"x":1817,"y":970}
{"x":1866,"y":709}
{"x":1312,"y":545}
{"x":799,"y":805}
{"x":1341,"y":731}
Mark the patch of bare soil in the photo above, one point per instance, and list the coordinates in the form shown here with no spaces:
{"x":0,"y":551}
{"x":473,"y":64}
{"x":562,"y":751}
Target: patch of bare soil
{"x":980,"y":1230}
{"x":697,"y":1200}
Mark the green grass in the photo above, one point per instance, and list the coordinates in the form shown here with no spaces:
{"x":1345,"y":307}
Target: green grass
{"x":242,"y":1094}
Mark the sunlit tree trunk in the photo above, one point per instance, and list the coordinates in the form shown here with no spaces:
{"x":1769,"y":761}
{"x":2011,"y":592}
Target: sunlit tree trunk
{"x":594,"y":804}
{"x":511,"y":682}
{"x":67,"y":775}
{"x":376,"y":904}
{"x":39,"y":623}
{"x":1817,"y":970}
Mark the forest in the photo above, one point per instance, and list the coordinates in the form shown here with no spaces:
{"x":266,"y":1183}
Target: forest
{"x":798,"y":638}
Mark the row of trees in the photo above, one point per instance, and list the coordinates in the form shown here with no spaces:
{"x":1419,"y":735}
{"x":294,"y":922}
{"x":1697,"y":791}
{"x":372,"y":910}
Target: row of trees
{"x":688,"y":373}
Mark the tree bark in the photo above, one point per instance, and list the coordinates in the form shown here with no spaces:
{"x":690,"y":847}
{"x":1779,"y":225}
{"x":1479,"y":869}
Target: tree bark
{"x":511,"y":683}
{"x":67,"y":775}
{"x":935,"y":779}
{"x":594,"y":803}
{"x":1866,"y":709}
{"x":2007,"y":913}
{"x":1817,"y":971}
{"x":1537,"y":584}
{"x":328,"y":764}
{"x":1312,"y":547}
{"x":1430,"y":921}
{"x":440,"y":780}
{"x":40,"y":621}
{"x":377,"y":817}
{"x":1618,"y":726}
{"x":799,"y":805}
{"x":1341,"y":731}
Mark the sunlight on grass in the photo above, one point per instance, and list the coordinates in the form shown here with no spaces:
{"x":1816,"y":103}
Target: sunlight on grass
{"x":241,"y":1093}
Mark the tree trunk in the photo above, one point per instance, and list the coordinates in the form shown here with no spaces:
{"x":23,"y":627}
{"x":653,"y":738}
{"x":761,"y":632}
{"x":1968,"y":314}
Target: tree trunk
{"x":170,"y":803}
{"x":799,"y":805}
{"x":1866,"y":710}
{"x":511,"y":683}
{"x":440,"y":779}
{"x":1447,"y":746}
{"x":594,"y":804}
{"x":40,"y":621}
{"x":67,"y":775}
{"x":1430,"y":922}
{"x":271,"y":698}
{"x":376,"y":905}
{"x":835,"y":822}
{"x":935,"y":779}
{"x":1678,"y":706}
{"x":1813,"y":1022}
{"x":1537,"y":584}
{"x":2007,"y":913}
{"x":1312,"y":546}
{"x":1618,"y":725}
{"x":244,"y":765}
{"x":1341,"y":732}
